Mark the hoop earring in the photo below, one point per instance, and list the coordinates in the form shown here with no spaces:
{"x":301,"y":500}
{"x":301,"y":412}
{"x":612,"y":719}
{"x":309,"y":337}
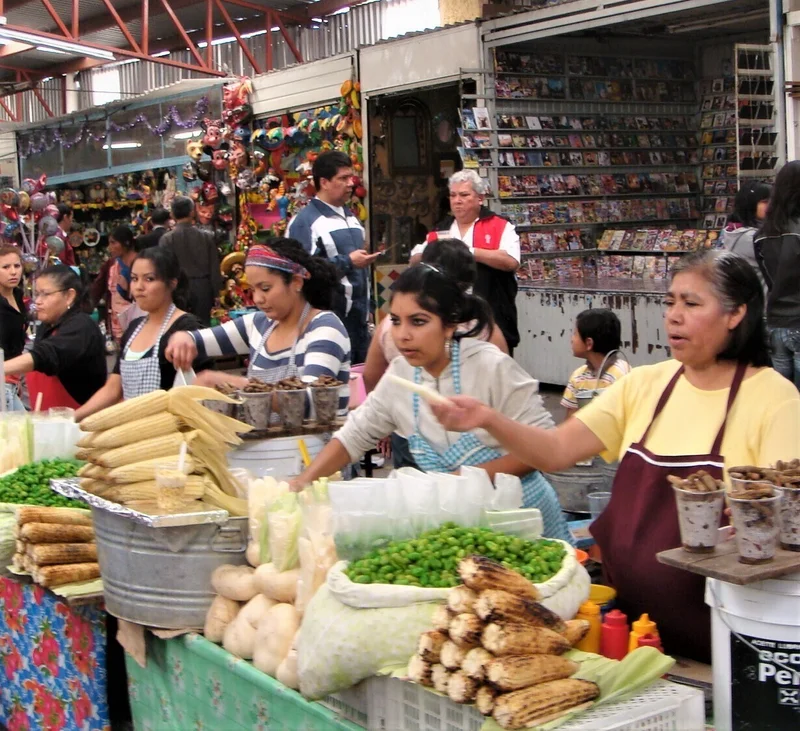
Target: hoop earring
{"x":448,"y":348}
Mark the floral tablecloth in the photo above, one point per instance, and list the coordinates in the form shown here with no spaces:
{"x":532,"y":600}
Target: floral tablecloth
{"x":52,"y":661}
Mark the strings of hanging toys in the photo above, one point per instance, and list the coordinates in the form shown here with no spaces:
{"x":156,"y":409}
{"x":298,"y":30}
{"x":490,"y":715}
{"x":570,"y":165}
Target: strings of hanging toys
{"x":267,"y":164}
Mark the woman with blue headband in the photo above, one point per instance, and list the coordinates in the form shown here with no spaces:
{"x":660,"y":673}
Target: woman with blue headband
{"x":292,"y":334}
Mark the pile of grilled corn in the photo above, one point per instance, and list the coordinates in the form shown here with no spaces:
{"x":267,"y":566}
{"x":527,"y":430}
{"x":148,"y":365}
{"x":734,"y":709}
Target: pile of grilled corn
{"x":494,"y":645}
{"x":126,"y":442}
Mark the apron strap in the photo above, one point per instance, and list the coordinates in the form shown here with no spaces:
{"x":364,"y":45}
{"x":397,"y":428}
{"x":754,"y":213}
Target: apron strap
{"x":263,"y":344}
{"x":662,"y":402}
{"x":738,"y":377}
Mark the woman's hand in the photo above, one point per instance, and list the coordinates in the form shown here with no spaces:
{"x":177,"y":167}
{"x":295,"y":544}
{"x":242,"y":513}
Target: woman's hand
{"x":181,"y":350}
{"x":463,"y":413}
{"x":209,"y":379}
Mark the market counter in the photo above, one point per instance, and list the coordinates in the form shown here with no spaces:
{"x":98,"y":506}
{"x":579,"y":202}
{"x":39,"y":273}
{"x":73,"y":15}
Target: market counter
{"x":546,"y":313}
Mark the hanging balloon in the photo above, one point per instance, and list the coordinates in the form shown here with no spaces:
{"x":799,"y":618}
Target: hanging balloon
{"x":38,"y":202}
{"x":24,"y":201}
{"x":8,"y":212}
{"x":9,"y":197}
{"x":51,"y":197}
{"x":51,"y":210}
{"x":12,"y":227}
{"x":29,"y":186}
{"x":41,"y":183}
{"x":54,"y":244}
{"x":48,"y":226}
{"x":30,"y":263}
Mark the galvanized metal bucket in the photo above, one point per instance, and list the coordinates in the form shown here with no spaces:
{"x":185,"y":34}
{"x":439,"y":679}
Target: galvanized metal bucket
{"x":161,"y":577}
{"x":574,"y":485}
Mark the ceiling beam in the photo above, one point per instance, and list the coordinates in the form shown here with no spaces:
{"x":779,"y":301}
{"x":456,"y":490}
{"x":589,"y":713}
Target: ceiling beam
{"x":329,"y":7}
{"x":12,"y":49}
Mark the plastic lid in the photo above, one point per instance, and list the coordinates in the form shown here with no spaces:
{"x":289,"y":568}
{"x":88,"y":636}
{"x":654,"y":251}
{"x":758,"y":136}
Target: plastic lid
{"x":649,"y":640}
{"x":616,"y":618}
{"x":644,"y":625}
{"x":589,"y":607}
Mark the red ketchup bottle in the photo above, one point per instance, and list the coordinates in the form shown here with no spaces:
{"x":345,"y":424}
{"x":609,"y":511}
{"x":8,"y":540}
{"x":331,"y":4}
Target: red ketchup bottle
{"x":649,"y":640}
{"x":614,"y":637}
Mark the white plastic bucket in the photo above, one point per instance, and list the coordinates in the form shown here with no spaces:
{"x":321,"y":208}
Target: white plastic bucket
{"x":281,"y":455}
{"x":755,"y":633}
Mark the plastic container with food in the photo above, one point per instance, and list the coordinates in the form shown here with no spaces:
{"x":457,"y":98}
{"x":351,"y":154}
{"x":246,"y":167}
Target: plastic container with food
{"x":292,"y":409}
{"x":699,"y":515}
{"x":325,"y":397}
{"x":790,"y":518}
{"x":220,"y":407}
{"x":755,"y":513}
{"x":256,"y":406}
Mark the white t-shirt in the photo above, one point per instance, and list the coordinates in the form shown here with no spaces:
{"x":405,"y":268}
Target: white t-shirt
{"x":509,"y":241}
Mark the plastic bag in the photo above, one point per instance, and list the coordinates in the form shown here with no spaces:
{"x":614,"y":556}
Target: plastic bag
{"x":420,"y":494}
{"x":283,"y":523}
{"x":261,"y":493}
{"x":525,"y":523}
{"x":376,"y":596}
{"x":316,"y":548}
{"x":507,"y":493}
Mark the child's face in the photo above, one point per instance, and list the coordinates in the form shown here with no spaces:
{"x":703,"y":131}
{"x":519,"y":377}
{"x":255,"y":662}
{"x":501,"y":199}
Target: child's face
{"x":579,"y":347}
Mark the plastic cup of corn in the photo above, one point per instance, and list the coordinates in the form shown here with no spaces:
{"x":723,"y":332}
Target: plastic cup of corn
{"x":171,"y":488}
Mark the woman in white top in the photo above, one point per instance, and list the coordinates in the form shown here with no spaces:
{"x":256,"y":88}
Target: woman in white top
{"x":427,"y":307}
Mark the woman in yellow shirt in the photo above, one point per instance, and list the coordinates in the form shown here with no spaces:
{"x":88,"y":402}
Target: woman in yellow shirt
{"x":717,"y":404}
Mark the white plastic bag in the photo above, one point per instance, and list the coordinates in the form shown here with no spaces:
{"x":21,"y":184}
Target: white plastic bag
{"x":507,"y":493}
{"x":375,"y":596}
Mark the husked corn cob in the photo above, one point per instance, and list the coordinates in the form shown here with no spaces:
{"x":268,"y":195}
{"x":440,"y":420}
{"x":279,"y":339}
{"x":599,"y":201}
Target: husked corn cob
{"x":419,"y":671}
{"x":71,"y":516}
{"x":452,"y":655}
{"x":87,"y":470}
{"x":461,"y":688}
{"x":430,"y":645}
{"x":163,"y":446}
{"x":56,"y":533}
{"x":129,"y":432}
{"x":96,"y":487}
{"x":131,"y":410}
{"x":522,"y":639}
{"x":465,"y":630}
{"x":45,"y":554}
{"x":214,"y":496}
{"x":542,"y":703}
{"x":484,"y":700}
{"x":146,"y":470}
{"x":442,"y":617}
{"x":86,"y":441}
{"x":575,"y":630}
{"x":494,"y":605}
{"x":148,"y":490}
{"x":520,"y":671}
{"x":475,"y":663}
{"x":480,"y":573}
{"x":440,"y":676}
{"x":461,"y":599}
{"x":86,"y":453}
{"x":217,"y":426}
{"x":203,"y":393}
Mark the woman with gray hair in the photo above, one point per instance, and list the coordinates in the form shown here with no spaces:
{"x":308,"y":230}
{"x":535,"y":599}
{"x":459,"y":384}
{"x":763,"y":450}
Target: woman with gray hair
{"x":494,"y":242}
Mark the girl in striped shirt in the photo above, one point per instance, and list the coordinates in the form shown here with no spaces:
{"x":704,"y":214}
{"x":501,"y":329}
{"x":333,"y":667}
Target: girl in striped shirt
{"x":294,"y":333}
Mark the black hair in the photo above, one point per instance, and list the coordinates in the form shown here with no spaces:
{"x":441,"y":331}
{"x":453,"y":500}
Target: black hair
{"x":735,"y":283}
{"x":160,"y":216}
{"x":745,"y":204}
{"x":439,"y":293}
{"x":124,"y":236}
{"x":603,"y":327}
{"x":323,"y":284}
{"x":784,"y":205}
{"x":453,"y":256}
{"x":328,"y":164}
{"x":66,"y":278}
{"x":63,"y":210}
{"x":182,"y":207}
{"x":167,"y":267}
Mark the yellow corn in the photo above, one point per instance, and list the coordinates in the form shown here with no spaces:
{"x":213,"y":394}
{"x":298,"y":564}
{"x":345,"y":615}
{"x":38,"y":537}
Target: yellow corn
{"x":461,"y":599}
{"x":430,"y":644}
{"x":494,"y":605}
{"x":136,"y":408}
{"x":542,"y":703}
{"x":522,"y":639}
{"x":521,"y":671}
{"x":461,"y":688}
{"x":216,"y":426}
{"x":484,"y":700}
{"x":214,"y":496}
{"x":87,"y":440}
{"x":480,"y":573}
{"x":162,"y":446}
{"x":146,"y":470}
{"x":131,"y":432}
{"x":465,"y":630}
{"x":202,"y":393}
{"x":419,"y":671}
{"x":86,"y":453}
{"x":148,"y":490}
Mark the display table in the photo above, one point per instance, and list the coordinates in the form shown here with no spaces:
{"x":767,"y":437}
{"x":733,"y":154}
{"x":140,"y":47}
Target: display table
{"x":546,"y":313}
{"x":191,"y":683}
{"x":52,"y":660}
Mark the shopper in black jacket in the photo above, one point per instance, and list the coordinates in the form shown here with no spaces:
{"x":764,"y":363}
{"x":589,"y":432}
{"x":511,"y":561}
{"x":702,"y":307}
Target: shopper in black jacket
{"x":67,"y":363}
{"x":159,"y":220}
{"x":13,"y":320}
{"x":777,"y":249}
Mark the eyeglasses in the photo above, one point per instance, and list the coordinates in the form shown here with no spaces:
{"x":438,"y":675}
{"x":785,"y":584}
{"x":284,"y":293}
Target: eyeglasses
{"x":42,"y":295}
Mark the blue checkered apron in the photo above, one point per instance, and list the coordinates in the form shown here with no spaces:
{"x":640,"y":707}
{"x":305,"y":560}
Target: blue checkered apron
{"x":469,"y":451}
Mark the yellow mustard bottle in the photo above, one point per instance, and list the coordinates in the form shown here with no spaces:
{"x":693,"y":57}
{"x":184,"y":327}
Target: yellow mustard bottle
{"x":641,"y":627}
{"x":591,"y":613}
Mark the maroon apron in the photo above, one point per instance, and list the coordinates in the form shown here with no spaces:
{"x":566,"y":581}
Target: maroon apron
{"x":640,"y":521}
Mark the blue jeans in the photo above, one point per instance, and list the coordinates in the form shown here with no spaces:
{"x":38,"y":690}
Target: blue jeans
{"x":12,"y":399}
{"x":785,"y":345}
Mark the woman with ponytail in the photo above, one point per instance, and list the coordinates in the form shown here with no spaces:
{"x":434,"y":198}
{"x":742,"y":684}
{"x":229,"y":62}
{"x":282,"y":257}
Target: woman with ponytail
{"x":293,"y":334}
{"x":428,"y":307}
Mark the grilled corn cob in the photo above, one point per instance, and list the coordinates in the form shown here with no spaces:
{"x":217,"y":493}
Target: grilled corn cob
{"x":484,"y":700}
{"x":56,"y":533}
{"x":542,"y":703}
{"x":50,"y":554}
{"x":442,"y":617}
{"x":480,"y":573}
{"x":475,"y":662}
{"x":66,"y":573}
{"x":419,"y":671}
{"x":440,"y":676}
{"x":494,"y":605}
{"x":73,"y":516}
{"x":522,"y":639}
{"x":430,"y":645}
{"x":452,"y":655}
{"x":575,"y":630}
{"x":465,"y":630}
{"x":146,"y":470}
{"x":521,"y":671}
{"x":163,"y":446}
{"x":136,"y":408}
{"x":461,"y":688}
{"x":130,"y":432}
{"x":461,"y":599}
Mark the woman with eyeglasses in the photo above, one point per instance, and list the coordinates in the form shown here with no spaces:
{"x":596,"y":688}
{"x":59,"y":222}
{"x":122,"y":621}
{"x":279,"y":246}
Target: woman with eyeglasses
{"x":67,"y":363}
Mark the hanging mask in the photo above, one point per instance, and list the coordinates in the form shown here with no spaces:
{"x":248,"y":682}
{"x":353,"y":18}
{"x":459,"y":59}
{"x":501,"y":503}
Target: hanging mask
{"x":245,"y":180}
{"x":204,"y":170}
{"x":205,"y":213}
{"x":239,"y":156}
{"x":213,"y":136}
{"x":189,"y":172}
{"x":220,"y":159}
{"x":210,"y":192}
{"x":194,"y":149}
{"x":242,"y":134}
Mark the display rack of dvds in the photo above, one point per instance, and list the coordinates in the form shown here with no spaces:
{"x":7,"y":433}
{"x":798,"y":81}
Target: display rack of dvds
{"x":574,"y":144}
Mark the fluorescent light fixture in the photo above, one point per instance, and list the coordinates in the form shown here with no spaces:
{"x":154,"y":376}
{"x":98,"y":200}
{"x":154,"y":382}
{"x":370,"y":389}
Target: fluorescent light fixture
{"x":316,"y":20}
{"x":342,"y":11}
{"x":717,"y":23}
{"x":123,"y":145}
{"x":254,"y":34}
{"x":160,"y":54}
{"x":187,"y":135}
{"x":275,"y":28}
{"x":77,"y":49}
{"x":44,"y":49}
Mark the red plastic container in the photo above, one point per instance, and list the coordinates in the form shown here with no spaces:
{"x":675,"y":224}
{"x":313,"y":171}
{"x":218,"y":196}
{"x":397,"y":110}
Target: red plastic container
{"x":614,"y":636}
{"x":649,"y":640}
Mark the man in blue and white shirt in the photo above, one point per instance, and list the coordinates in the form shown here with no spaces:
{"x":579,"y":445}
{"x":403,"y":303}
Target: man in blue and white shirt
{"x":325,"y":227}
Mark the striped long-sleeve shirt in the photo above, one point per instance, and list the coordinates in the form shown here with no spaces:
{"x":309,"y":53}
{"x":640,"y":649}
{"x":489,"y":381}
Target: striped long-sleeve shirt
{"x":322,"y":350}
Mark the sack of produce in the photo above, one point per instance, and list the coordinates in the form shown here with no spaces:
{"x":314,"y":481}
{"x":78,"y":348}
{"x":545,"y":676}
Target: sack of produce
{"x":339,"y":646}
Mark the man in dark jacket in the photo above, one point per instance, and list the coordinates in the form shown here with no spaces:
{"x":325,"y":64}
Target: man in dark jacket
{"x":197,"y":256}
{"x":159,"y":219}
